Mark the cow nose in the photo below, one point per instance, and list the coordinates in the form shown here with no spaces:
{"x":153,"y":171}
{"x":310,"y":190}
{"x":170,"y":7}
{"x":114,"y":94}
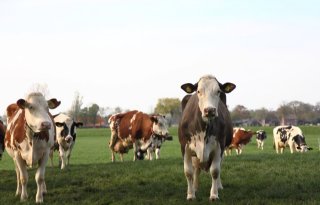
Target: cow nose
{"x":45,"y":125}
{"x":210,"y":112}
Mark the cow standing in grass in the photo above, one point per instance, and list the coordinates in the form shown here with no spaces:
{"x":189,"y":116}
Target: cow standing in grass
{"x":291,"y":136}
{"x":260,"y":138}
{"x":29,"y":137}
{"x":66,"y":137}
{"x":240,"y":138}
{"x":205,"y":130}
{"x":135,"y":130}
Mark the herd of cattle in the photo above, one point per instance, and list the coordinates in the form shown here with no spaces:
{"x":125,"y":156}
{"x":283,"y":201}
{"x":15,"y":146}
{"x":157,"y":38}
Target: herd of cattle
{"x":205,"y":134}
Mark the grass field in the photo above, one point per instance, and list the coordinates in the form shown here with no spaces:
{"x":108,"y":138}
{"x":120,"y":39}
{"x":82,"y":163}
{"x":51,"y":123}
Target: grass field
{"x":255,"y":177}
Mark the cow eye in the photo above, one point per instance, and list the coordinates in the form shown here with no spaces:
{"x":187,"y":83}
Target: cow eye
{"x":198,"y":91}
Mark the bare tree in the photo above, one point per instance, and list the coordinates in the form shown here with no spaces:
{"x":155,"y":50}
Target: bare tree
{"x":75,"y":109}
{"x":41,"y":88}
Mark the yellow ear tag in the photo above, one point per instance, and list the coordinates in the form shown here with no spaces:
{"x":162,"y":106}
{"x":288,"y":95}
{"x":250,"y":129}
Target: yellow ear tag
{"x":189,"y":90}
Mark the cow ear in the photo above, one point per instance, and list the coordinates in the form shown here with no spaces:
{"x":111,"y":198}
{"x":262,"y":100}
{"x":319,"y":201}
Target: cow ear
{"x":189,"y":88}
{"x":227,"y":87}
{"x":22,"y":103}
{"x":310,"y":148}
{"x":59,"y":124}
{"x":53,"y":103}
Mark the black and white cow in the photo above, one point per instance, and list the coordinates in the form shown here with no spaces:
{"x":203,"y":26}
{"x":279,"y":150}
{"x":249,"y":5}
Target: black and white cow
{"x":155,"y":146}
{"x":205,"y":130}
{"x":261,"y":137}
{"x":65,"y":137}
{"x":291,"y":136}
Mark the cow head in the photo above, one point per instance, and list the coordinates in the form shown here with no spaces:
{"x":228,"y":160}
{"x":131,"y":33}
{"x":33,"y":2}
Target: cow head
{"x":159,"y":126}
{"x":301,"y":145}
{"x":209,"y":91}
{"x":37,"y":111}
{"x":66,"y":127}
{"x":261,"y":135}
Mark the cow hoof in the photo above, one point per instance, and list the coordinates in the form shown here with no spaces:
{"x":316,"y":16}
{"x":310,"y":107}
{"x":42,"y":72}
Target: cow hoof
{"x":213,"y":198}
{"x":191,"y":197}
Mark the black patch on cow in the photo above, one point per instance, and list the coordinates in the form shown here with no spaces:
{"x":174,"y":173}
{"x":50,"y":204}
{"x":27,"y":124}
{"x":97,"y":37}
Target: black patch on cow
{"x":140,"y":154}
{"x":299,"y":140}
{"x":261,"y":135}
{"x":283,"y":134}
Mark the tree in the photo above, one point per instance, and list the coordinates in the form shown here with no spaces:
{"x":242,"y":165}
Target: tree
{"x":75,"y":109}
{"x":261,"y":115}
{"x":41,"y":88}
{"x":169,"y":106}
{"x":240,"y":112}
{"x":283,"y":111}
{"x":93,"y":113}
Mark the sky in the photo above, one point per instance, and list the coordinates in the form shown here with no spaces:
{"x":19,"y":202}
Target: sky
{"x":130,"y":53}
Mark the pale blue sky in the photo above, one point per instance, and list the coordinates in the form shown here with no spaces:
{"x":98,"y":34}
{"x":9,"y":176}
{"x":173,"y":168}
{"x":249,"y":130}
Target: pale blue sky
{"x":130,"y":53}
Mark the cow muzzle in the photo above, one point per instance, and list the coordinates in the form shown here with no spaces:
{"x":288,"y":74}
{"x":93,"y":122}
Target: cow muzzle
{"x":210,"y":112}
{"x":45,"y":125}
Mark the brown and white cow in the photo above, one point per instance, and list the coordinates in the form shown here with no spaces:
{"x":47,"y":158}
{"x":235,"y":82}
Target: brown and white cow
{"x":65,"y":137}
{"x":204,"y":131}
{"x":30,"y":135}
{"x":2,"y":133}
{"x":240,"y":138}
{"x":135,"y":130}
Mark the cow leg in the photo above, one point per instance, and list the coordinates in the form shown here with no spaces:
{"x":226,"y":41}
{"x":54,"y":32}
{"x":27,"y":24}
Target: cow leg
{"x":41,"y":187}
{"x":112,"y":156}
{"x":215,"y":174}
{"x":196,"y":166}
{"x":62,"y":157}
{"x":135,"y":148}
{"x":261,"y":145}
{"x":121,"y":157}
{"x":188,"y":171}
{"x":23,"y":174}
{"x":157,"y":153}
{"x":149,"y":154}
{"x":18,"y":192}
{"x":51,"y":157}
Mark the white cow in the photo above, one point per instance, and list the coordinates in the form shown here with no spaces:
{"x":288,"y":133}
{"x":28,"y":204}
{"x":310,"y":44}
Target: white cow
{"x":29,"y":138}
{"x":291,"y":136}
{"x":66,"y":137}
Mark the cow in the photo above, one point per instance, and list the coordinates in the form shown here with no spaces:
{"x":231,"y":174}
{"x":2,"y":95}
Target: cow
{"x":260,"y":138}
{"x":65,"y":137}
{"x":156,"y":146}
{"x":240,"y":138}
{"x":137,"y":130}
{"x":204,"y":131}
{"x":291,"y":136}
{"x":2,"y":133}
{"x":29,"y":137}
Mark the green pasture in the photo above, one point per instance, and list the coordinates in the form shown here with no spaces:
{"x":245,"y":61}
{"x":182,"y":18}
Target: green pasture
{"x":255,"y":177}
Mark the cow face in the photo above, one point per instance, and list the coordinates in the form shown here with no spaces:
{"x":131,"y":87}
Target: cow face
{"x":261,"y":135}
{"x":67,"y":128}
{"x":159,"y":126}
{"x":37,"y":111}
{"x":209,"y":92}
{"x":301,"y":145}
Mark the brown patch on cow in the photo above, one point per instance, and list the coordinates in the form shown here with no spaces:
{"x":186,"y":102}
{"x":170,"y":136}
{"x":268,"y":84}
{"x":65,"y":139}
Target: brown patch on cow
{"x":241,"y":137}
{"x":17,"y":127}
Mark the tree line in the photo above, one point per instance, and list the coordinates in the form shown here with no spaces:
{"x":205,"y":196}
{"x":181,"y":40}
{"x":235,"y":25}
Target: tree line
{"x":294,"y":113}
